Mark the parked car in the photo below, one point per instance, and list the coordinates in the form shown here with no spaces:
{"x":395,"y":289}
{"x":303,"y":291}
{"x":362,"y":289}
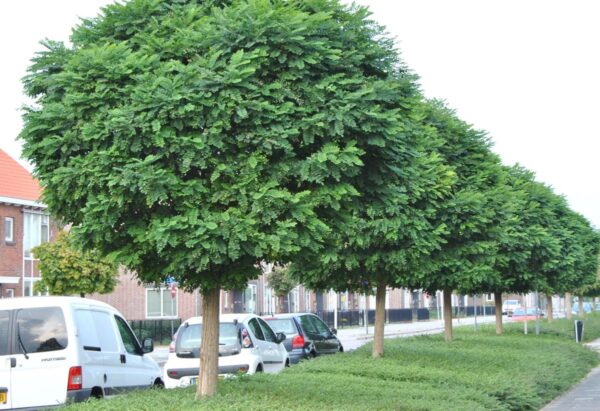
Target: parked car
{"x":247,"y":344}
{"x":59,"y":349}
{"x":520,"y":314}
{"x":587,"y":308}
{"x":307,"y":335}
{"x":508,"y":306}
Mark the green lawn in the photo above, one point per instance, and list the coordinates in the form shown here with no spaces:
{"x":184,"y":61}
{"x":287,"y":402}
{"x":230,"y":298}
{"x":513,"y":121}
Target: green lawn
{"x":474,"y":372}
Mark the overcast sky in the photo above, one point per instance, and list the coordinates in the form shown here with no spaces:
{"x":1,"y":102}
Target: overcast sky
{"x":526,"y":71}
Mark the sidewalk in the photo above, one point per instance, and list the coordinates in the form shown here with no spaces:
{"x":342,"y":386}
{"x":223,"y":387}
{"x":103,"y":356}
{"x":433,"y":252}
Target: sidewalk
{"x":352,"y":338}
{"x":585,"y":396}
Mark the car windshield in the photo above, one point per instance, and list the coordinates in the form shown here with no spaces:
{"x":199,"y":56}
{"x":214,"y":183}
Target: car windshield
{"x":282,"y":325}
{"x":189,"y":338}
{"x":519,"y":311}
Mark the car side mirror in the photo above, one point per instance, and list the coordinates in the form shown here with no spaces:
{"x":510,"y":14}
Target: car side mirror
{"x":334,"y":331}
{"x":147,"y":345}
{"x":280,"y":337}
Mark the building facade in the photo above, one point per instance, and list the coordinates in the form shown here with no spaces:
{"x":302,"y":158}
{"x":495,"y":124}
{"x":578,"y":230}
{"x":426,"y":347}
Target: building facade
{"x":24,"y":224}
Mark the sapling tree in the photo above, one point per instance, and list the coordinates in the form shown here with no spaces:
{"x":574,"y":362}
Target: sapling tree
{"x":66,"y":269}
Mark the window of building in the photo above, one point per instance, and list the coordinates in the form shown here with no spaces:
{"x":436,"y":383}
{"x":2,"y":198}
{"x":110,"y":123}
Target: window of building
{"x":250,"y":299}
{"x":9,"y":234}
{"x":29,"y":287}
{"x":160,"y":304}
{"x":294,"y":300}
{"x":489,"y":297}
{"x":36,"y":230}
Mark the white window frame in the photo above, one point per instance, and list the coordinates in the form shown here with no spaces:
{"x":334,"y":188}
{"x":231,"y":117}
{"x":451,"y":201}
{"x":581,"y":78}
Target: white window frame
{"x":32,"y":281}
{"x":175,"y":303}
{"x":9,"y":229}
{"x":252,"y":290}
{"x":44,"y":224}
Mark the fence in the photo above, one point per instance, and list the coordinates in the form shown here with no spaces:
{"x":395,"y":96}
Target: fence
{"x":356,"y":318}
{"x":161,"y":331}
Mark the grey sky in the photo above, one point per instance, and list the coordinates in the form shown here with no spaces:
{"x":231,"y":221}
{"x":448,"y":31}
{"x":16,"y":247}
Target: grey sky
{"x":525,"y":71}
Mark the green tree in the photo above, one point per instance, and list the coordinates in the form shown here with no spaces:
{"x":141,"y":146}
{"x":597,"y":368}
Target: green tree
{"x":392,"y":226}
{"x":474,"y":215}
{"x":195,"y":139}
{"x":67,"y":270}
{"x":281,"y":282}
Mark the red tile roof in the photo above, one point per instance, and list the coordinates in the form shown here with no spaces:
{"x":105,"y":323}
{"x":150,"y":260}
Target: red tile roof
{"x":16,"y":181}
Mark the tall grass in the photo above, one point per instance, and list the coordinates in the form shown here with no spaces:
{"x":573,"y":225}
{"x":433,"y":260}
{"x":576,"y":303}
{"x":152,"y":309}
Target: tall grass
{"x":474,"y":372}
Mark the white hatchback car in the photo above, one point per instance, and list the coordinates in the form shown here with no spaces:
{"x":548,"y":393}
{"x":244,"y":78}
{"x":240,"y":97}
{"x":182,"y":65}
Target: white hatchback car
{"x":247,"y":344}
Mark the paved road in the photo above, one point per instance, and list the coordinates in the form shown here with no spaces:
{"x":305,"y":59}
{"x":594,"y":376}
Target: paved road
{"x":585,"y":396}
{"x":352,"y":338}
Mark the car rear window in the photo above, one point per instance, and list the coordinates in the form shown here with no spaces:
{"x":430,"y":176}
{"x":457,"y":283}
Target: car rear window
{"x":282,"y":325}
{"x":4,"y":317}
{"x":190,"y":337}
{"x":40,"y":330}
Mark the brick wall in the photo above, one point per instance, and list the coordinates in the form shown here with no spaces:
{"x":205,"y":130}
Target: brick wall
{"x":129,"y":297}
{"x":11,"y":254}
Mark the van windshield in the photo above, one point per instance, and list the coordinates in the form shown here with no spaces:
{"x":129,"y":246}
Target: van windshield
{"x":190,"y":337}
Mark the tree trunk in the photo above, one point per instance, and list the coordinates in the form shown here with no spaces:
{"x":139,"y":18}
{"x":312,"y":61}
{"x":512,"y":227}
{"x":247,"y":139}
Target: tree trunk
{"x":379,"y":320}
{"x":448,"y":315}
{"x":209,"y":347}
{"x":549,"y":313}
{"x":580,"y":305}
{"x":498,"y":304}
{"x":568,"y":308}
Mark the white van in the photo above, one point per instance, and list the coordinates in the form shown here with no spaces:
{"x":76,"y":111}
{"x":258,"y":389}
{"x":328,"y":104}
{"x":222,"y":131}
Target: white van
{"x":61,"y":349}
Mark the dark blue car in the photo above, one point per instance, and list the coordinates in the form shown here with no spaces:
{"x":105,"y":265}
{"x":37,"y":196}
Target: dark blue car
{"x":307,"y":335}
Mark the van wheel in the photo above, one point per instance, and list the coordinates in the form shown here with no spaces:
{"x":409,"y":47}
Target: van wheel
{"x":287,"y":363}
{"x":97,"y":393}
{"x":158,"y":384}
{"x":259,"y":368}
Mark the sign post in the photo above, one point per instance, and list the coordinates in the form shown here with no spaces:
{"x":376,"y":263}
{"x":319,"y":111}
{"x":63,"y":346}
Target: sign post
{"x":172,"y":284}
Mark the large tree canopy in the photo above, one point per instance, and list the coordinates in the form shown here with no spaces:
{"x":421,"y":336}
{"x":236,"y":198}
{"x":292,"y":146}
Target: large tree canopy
{"x":195,"y":139}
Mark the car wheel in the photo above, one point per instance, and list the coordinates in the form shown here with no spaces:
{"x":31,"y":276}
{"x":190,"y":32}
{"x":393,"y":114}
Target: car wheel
{"x":259,"y":368}
{"x":287,"y":363}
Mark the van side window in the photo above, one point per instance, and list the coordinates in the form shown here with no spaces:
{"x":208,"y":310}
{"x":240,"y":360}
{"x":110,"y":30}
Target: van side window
{"x":129,"y":340}
{"x":40,"y":330}
{"x":4,"y":331}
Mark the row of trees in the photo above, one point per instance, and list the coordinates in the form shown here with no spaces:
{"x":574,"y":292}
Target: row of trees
{"x":197,"y":139}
